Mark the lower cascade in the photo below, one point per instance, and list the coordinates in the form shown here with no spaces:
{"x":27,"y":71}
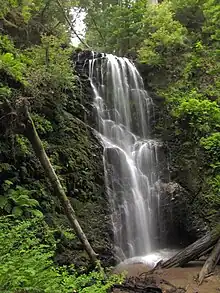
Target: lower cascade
{"x":124,"y":110}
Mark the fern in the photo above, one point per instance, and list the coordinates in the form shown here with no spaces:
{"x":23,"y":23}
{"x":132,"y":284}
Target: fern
{"x":26,"y":263}
{"x":18,"y":201}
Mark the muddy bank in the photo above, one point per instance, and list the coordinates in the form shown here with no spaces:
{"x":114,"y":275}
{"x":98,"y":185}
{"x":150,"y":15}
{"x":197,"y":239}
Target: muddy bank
{"x":176,"y":280}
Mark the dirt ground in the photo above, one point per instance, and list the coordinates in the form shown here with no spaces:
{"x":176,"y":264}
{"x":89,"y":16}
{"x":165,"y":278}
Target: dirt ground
{"x":180,"y":277}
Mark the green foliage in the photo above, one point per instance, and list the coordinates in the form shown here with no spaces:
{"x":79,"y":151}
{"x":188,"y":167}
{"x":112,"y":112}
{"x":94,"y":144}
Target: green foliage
{"x":23,"y":145}
{"x":35,"y":65}
{"x":5,"y":91}
{"x":211,"y":10}
{"x":18,"y":201}
{"x":201,"y":115}
{"x":44,"y":67}
{"x":212,"y":146}
{"x":163,"y":35}
{"x":6,"y":45}
{"x":12,"y":62}
{"x":215,"y":183}
{"x":24,"y":7}
{"x":26,"y":252}
{"x":50,"y":66}
{"x":42,"y":125}
{"x":34,"y":16}
{"x":12,"y":66}
{"x":114,"y":26}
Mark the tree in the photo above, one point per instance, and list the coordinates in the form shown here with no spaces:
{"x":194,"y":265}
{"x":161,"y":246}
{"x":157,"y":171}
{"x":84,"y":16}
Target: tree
{"x":114,"y":26}
{"x":26,"y":21}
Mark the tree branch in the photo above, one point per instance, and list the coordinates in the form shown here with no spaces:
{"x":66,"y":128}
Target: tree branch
{"x":70,"y":24}
{"x":95,"y":24}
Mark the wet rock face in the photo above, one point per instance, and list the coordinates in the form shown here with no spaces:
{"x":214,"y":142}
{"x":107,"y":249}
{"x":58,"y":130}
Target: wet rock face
{"x":180,"y":222}
{"x":185,"y":194}
{"x":177,"y":213}
{"x":81,"y":57}
{"x":80,"y":153}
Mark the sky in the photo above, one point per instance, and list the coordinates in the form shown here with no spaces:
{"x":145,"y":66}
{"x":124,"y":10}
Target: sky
{"x":79,"y":26}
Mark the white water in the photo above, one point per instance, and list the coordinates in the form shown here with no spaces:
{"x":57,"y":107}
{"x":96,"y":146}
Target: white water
{"x":124,"y":110}
{"x":151,"y":259}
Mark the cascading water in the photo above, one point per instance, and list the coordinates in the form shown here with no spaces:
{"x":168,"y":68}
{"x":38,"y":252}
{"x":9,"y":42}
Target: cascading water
{"x":124,"y":110}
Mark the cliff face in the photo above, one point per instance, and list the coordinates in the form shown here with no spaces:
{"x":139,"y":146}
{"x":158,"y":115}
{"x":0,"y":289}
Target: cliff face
{"x":184,"y":214}
{"x":76,"y":155}
{"x":180,"y":219}
{"x":81,"y":168}
{"x":186,"y":190}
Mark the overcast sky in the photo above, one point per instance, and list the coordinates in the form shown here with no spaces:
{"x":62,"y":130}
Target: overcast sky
{"x":79,"y":26}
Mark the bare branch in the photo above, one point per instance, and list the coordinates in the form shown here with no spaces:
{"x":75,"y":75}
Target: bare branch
{"x":70,"y":24}
{"x":98,"y":30}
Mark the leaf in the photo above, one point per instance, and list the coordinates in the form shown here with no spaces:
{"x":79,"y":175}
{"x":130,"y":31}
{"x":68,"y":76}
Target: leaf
{"x":16,"y":211}
{"x":6,"y":185}
{"x":7,"y":207}
{"x":32,"y":202}
{"x":37,"y":213}
{"x":8,"y":182}
{"x":3,"y":201}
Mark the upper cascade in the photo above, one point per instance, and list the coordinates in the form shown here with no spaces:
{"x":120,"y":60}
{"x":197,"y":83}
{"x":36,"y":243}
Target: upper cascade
{"x":124,"y":109}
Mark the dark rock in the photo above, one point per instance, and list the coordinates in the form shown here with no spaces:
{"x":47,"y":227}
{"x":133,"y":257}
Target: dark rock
{"x":183,"y":226}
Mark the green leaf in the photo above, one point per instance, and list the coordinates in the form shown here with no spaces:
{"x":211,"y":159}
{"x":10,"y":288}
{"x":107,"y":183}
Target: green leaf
{"x":16,"y":211}
{"x":8,"y":182}
{"x":3,"y":201}
{"x":7,"y":207}
{"x":37,"y":213}
{"x":32,"y":202}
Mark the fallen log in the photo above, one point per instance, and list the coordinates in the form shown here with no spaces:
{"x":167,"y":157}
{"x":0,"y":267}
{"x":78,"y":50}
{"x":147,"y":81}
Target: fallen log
{"x":137,"y":289}
{"x":145,"y":283}
{"x":192,"y":251}
{"x":206,"y":252}
{"x":210,"y":263}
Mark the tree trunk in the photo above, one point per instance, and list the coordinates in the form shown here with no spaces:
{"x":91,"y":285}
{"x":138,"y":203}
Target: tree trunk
{"x":210,"y":263}
{"x":192,"y":251}
{"x":33,"y":137}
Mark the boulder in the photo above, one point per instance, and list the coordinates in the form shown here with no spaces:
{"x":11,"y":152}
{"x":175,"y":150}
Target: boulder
{"x":180,"y":223}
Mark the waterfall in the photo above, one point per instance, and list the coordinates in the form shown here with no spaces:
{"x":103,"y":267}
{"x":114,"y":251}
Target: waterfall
{"x":124,"y":110}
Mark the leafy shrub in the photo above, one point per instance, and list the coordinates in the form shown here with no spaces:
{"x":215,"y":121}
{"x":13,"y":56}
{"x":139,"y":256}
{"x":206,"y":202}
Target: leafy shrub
{"x":18,"y":201}
{"x":203,"y":115}
{"x":26,"y":263}
{"x":212,"y":146}
{"x":163,"y":34}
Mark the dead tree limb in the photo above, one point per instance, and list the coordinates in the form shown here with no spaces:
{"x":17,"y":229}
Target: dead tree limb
{"x":210,"y":263}
{"x":192,"y":251}
{"x":32,"y":135}
{"x":136,"y":289}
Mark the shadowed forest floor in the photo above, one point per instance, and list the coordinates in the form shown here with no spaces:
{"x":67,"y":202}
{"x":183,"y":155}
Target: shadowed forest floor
{"x":185,"y":278}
